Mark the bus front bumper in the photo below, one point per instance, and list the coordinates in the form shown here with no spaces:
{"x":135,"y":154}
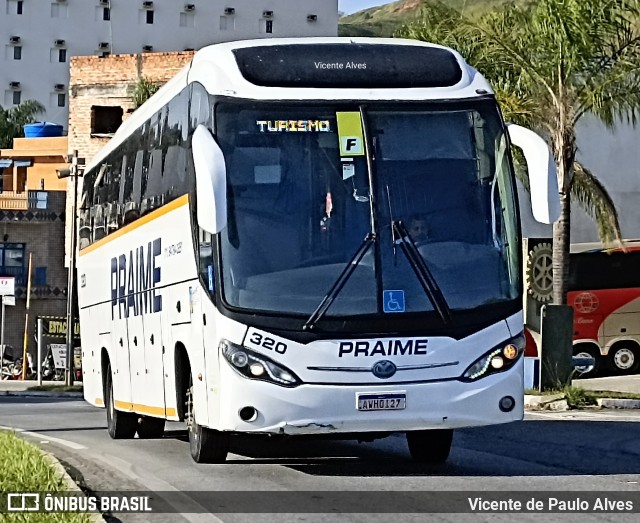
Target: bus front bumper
{"x":332,"y":409}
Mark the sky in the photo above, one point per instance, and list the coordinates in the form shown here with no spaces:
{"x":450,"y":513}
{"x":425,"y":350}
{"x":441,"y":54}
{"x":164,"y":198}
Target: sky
{"x":351,"y":6}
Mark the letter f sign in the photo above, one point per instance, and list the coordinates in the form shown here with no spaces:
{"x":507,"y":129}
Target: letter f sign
{"x":351,"y":145}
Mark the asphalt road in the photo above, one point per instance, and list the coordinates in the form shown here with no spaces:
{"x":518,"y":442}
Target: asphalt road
{"x":546,"y":454}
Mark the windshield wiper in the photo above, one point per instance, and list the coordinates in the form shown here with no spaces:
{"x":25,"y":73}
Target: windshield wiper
{"x":431,"y":288}
{"x":340,"y":282}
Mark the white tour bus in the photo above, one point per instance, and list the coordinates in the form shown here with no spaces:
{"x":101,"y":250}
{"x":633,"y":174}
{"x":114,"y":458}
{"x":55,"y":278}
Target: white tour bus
{"x":252,"y":254}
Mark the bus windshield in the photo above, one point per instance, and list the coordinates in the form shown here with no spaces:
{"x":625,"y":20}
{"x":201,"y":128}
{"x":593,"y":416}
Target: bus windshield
{"x":308,"y":183}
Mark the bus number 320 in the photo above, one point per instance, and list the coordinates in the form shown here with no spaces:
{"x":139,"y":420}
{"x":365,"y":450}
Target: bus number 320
{"x":268,"y":343}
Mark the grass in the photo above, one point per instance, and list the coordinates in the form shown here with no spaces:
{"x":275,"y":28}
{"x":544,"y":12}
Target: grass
{"x":25,"y":469}
{"x":56,"y":388}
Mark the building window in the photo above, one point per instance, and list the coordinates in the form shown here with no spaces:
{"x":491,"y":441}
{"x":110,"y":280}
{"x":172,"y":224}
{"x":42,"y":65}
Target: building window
{"x":17,"y":97}
{"x":269,"y":26}
{"x":106,"y":13}
{"x":17,"y":52}
{"x":62,"y":99}
{"x":19,"y":5}
{"x":105,"y":120}
{"x":149,"y":17}
{"x":12,"y":261}
{"x":62,"y":55}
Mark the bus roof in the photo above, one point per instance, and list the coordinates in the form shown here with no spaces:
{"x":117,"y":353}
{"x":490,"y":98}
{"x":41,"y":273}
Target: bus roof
{"x":317,"y":68}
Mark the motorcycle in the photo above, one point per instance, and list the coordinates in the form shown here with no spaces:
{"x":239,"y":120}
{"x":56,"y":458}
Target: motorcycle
{"x":49,"y":371}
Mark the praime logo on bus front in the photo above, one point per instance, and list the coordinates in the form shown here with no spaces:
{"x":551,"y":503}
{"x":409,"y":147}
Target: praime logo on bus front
{"x":134,"y":277}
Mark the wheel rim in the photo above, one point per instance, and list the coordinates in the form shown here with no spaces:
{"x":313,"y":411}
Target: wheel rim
{"x":624,"y":359}
{"x":583,"y":369}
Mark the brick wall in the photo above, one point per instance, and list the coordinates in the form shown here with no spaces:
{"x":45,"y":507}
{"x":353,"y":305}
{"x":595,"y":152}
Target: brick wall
{"x":110,"y":81}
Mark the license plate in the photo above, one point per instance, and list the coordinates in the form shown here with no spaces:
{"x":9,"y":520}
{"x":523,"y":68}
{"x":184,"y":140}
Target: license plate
{"x":381,"y":401}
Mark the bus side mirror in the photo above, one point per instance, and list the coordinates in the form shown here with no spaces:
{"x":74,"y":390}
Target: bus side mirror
{"x":543,"y":180}
{"x":211,"y":181}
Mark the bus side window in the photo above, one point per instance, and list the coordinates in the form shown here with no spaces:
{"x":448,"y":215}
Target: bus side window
{"x":153,"y":191}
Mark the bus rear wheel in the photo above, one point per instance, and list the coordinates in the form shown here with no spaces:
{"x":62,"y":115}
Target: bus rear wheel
{"x":624,"y":359}
{"x":430,"y":446}
{"x":120,"y":425}
{"x":206,"y":445}
{"x":150,"y":427}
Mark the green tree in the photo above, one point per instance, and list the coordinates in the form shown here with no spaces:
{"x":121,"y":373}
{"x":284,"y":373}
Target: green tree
{"x":12,"y":121}
{"x":551,"y":64}
{"x":143,"y":90}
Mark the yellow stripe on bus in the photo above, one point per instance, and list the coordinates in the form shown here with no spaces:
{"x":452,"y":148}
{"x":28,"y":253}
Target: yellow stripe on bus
{"x":144,"y":409}
{"x":99,"y":401}
{"x":171,"y":206}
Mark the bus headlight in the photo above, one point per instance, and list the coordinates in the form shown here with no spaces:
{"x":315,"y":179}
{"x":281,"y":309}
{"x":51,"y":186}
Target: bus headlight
{"x":255,"y":366}
{"x":498,"y":359}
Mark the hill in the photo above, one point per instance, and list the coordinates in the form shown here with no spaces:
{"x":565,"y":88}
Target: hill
{"x":384,"y":20}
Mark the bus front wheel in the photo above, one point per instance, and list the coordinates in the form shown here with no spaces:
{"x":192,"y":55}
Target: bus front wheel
{"x":430,"y":446}
{"x":206,"y":445}
{"x":120,"y":425}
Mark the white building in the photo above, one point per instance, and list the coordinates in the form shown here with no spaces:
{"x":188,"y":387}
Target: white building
{"x":40,"y":36}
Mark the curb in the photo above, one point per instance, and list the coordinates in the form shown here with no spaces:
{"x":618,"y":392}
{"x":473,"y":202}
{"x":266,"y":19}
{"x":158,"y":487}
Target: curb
{"x":618,"y":403}
{"x":40,"y":394}
{"x":557,"y":402}
{"x":95,"y":517}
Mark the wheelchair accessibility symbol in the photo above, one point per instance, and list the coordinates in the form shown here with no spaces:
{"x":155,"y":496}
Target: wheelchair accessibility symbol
{"x":393,"y":301}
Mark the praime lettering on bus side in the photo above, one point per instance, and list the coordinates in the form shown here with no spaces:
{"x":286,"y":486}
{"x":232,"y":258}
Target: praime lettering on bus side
{"x":133,"y":281}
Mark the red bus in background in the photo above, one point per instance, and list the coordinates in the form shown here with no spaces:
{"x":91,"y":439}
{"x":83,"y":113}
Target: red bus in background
{"x":604,"y":291}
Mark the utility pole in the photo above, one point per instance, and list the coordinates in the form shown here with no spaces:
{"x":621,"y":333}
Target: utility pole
{"x":73,"y":173}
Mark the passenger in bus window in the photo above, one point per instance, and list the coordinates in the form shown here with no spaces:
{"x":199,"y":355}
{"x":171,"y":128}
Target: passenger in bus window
{"x":417,"y":229}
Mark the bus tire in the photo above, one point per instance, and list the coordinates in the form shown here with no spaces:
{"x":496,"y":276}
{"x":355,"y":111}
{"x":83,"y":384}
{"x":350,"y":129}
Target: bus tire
{"x":150,"y":427}
{"x":205,"y":445}
{"x":624,"y":358}
{"x":430,"y":446}
{"x":120,"y":425}
{"x":585,"y":350}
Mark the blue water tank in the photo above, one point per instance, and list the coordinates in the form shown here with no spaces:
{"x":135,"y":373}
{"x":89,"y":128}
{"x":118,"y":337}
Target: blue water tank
{"x":42,"y":130}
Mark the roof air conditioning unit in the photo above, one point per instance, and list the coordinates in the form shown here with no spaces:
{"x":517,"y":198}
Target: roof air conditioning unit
{"x":59,"y":43}
{"x":147,"y":48}
{"x":14,"y":39}
{"x":267,"y":14}
{"x":229,"y":10}
{"x":104,"y":45}
{"x":147,"y":5}
{"x":14,"y":85}
{"x":312,"y":18}
{"x":104,"y":2}
{"x":59,"y":87}
{"x":61,"y":1}
{"x":189,"y":7}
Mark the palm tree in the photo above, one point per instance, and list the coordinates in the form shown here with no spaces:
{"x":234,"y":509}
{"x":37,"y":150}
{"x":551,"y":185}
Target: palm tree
{"x":12,"y":121}
{"x":143,"y":90}
{"x":552,"y":63}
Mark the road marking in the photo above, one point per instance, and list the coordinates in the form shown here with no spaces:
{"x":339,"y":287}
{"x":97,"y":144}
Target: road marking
{"x":187,"y":507}
{"x":59,"y":441}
